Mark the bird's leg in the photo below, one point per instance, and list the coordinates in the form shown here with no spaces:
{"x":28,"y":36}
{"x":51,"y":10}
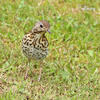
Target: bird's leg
{"x":27,"y":70}
{"x":40,"y":71}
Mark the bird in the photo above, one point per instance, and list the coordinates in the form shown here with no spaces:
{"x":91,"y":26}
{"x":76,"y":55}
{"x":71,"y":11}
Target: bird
{"x":35,"y":44}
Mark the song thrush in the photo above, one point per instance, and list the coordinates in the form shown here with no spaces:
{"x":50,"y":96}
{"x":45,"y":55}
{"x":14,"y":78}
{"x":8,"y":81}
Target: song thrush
{"x":35,"y":43}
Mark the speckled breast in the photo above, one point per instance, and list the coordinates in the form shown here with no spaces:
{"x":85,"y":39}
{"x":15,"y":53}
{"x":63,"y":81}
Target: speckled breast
{"x":34,"y":53}
{"x":34,"y":48}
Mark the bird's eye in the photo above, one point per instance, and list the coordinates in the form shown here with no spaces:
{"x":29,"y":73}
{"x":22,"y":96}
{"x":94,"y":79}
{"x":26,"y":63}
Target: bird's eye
{"x":41,"y":26}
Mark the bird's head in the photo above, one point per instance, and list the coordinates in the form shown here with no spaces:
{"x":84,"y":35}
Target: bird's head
{"x":41,"y":27}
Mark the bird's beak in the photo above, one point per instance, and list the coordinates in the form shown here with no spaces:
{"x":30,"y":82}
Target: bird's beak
{"x":49,"y":31}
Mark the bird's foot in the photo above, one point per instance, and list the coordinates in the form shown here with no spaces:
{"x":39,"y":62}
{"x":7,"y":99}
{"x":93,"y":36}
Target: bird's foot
{"x":26,"y":76}
{"x":40,"y":73}
{"x":39,"y":78}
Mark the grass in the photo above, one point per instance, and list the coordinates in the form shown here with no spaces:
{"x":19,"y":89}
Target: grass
{"x":72,"y":69}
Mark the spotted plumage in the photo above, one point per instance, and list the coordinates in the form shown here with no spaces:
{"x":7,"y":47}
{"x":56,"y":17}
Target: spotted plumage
{"x":35,"y":43}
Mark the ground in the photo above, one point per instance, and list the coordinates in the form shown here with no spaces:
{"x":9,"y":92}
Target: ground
{"x":71,"y":71}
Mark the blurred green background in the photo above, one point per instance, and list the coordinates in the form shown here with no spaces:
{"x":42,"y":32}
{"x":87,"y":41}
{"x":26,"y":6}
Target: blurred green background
{"x":72,"y":69}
